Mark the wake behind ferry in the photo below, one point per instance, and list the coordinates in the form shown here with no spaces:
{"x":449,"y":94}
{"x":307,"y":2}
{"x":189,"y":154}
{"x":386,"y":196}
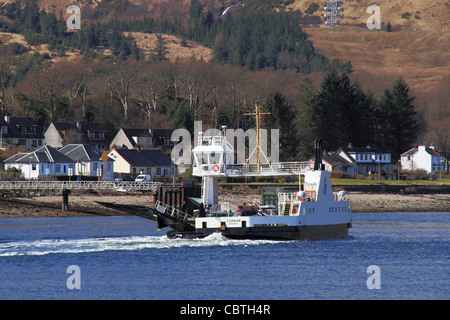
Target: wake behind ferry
{"x":312,"y":212}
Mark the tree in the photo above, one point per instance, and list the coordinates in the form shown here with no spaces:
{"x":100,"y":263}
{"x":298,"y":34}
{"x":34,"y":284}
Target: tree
{"x":160,"y":52}
{"x":283,"y":118}
{"x":341,"y":112}
{"x":5,"y":79}
{"x":120,"y":81}
{"x":397,"y":125}
{"x":305,"y":127}
{"x":195,"y":10}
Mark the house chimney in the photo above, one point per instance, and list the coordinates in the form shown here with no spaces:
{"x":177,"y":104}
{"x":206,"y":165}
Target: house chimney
{"x":7,"y":118}
{"x":350,"y":145}
{"x":114,"y":147}
{"x":137,"y":147}
{"x":79,"y":126}
{"x":432,"y":146}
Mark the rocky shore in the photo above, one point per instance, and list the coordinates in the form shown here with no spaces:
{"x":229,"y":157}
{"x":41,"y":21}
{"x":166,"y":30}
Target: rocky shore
{"x":85,"y":203}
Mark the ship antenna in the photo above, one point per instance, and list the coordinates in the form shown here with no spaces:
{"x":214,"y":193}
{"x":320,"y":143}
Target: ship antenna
{"x":257,"y":113}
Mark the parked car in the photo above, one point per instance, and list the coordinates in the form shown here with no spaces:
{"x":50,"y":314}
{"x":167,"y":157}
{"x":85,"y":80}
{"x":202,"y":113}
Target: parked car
{"x":124,"y":177}
{"x":143,"y":178}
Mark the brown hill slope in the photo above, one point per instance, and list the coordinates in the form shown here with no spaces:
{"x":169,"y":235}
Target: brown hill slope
{"x":407,"y":14}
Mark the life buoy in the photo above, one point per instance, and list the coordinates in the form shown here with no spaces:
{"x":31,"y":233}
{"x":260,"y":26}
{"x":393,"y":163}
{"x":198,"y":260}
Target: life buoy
{"x":215,"y":168}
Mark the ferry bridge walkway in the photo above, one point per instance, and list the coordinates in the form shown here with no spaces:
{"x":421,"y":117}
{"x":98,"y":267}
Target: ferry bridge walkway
{"x":80,"y":185}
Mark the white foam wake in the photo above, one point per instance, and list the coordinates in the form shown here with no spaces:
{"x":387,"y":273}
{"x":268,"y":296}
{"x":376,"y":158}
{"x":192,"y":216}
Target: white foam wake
{"x":67,"y":246}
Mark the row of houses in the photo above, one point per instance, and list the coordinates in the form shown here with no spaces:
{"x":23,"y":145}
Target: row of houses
{"x":368,"y":160}
{"x":85,"y":160}
{"x":81,"y":146}
{"x":24,"y":132}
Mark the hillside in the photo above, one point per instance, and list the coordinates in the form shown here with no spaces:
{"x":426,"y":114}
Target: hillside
{"x":427,"y":15}
{"x":417,"y":49}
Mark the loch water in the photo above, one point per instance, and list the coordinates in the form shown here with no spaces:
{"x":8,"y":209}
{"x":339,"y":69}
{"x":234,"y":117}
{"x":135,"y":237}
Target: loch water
{"x":127,"y":258}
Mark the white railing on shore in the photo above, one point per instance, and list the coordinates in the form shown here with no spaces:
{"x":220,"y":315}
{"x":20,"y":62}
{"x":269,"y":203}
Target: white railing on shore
{"x":79,"y":185}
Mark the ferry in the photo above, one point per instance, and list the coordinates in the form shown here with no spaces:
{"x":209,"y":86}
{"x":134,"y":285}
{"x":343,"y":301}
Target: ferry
{"x":312,"y":212}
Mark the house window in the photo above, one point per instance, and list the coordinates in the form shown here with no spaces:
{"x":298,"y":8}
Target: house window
{"x":109,"y":166}
{"x":33,"y":167}
{"x":58,"y":168}
{"x":158,"y":171}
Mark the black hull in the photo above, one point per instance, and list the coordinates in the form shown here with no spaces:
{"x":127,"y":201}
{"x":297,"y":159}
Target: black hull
{"x":270,"y":233}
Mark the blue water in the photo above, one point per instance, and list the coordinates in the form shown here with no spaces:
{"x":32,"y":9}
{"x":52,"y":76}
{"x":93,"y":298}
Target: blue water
{"x":127,"y":258}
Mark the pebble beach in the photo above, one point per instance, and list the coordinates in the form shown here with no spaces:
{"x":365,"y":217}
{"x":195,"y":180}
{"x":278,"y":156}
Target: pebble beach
{"x":85,"y":203}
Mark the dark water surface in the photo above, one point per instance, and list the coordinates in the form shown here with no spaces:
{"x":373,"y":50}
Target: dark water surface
{"x":127,"y":258}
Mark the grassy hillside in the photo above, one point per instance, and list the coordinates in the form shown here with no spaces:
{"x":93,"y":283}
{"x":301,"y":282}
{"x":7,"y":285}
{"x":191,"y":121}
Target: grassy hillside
{"x":402,"y":14}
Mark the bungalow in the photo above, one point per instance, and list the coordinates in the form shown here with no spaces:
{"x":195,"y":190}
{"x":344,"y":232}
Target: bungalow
{"x":422,"y":158}
{"x":334,"y":162}
{"x":88,"y":161}
{"x":144,"y":138}
{"x":153,"y":162}
{"x":42,"y":162}
{"x":368,"y":159}
{"x":20,"y":131}
{"x":58,"y":134}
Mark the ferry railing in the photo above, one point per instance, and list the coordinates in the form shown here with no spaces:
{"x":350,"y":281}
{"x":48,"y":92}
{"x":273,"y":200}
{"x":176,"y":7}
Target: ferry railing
{"x":281,"y":168}
{"x":291,"y":197}
{"x":171,"y":211}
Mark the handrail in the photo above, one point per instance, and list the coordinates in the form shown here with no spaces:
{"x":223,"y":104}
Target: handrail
{"x":79,"y":185}
{"x":171,"y":211}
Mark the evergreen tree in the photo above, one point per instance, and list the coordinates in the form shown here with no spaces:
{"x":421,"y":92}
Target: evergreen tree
{"x":342,"y":113}
{"x":397,"y":125}
{"x":160,"y":52}
{"x":195,"y":10}
{"x":281,"y":117}
{"x":305,"y":127}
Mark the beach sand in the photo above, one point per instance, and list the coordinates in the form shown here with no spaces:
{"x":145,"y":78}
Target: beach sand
{"x":83,"y":203}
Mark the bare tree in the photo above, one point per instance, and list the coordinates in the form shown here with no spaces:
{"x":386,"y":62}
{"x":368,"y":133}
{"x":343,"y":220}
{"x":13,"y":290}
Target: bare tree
{"x":121,"y":79}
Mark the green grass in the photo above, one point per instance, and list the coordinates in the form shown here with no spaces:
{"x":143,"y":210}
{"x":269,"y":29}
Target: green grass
{"x":437,"y":182}
{"x":356,"y":182}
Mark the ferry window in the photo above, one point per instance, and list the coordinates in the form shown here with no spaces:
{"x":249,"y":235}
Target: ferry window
{"x":204,"y":224}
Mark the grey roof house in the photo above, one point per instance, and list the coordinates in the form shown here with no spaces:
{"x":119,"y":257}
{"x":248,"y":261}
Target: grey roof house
{"x":58,"y":134}
{"x":20,"y":132}
{"x":153,"y":162}
{"x":40,"y":163}
{"x":144,"y":138}
{"x":88,"y":161}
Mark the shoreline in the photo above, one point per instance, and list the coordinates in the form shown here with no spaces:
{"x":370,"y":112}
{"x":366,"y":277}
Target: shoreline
{"x":84,"y":203}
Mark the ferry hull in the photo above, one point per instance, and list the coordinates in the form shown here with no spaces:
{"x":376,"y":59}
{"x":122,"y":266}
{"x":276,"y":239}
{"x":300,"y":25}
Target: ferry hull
{"x":315,"y":232}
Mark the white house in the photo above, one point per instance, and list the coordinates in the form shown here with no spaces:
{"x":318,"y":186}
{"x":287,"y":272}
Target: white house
{"x":368,"y":159}
{"x":88,"y":161}
{"x":42,"y":162}
{"x":422,"y":158}
{"x":334,"y":162}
